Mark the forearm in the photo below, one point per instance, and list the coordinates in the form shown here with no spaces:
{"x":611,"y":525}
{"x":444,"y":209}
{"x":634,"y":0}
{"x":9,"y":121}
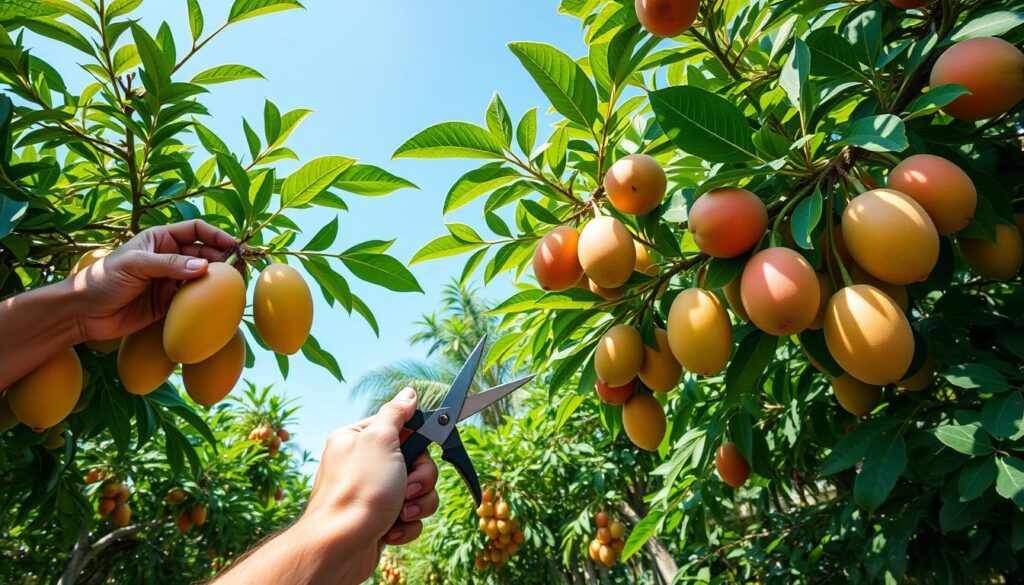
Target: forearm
{"x":306,"y":553}
{"x":35,"y":325}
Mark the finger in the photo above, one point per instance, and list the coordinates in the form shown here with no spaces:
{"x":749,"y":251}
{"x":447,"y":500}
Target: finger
{"x":211,"y":253}
{"x":403,"y":533}
{"x":393,"y":415}
{"x":174,"y":266}
{"x":197,"y":230}
{"x":421,"y":507}
{"x":422,"y":477}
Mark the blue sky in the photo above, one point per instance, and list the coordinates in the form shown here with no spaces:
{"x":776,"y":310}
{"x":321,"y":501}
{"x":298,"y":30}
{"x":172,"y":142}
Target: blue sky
{"x":375,"y":73}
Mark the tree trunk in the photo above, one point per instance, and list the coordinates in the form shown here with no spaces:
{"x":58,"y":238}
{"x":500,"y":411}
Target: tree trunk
{"x":664,"y":564}
{"x":83,"y":552}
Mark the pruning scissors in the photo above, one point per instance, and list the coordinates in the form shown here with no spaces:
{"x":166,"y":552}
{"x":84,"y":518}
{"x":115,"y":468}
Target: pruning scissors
{"x":438,"y":425}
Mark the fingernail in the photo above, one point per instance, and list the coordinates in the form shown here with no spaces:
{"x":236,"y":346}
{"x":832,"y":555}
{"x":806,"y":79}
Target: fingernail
{"x":413,"y":490}
{"x":407,"y":394}
{"x":410,"y":511}
{"x":194,"y":264}
{"x":395,"y":535}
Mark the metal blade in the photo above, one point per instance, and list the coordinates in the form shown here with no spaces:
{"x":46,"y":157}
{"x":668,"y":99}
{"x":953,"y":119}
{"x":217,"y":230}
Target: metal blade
{"x":482,"y":400}
{"x":442,"y":420}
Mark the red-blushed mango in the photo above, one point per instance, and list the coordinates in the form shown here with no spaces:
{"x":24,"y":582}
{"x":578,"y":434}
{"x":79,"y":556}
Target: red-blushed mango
{"x":943,"y":189}
{"x":121,"y":515}
{"x":999,"y":260}
{"x":909,"y":3}
{"x":732,"y":467}
{"x":46,"y":395}
{"x":780,"y":291}
{"x":868,"y":335}
{"x":610,"y":294}
{"x":89,"y":258}
{"x":990,"y":68}
{"x":921,"y":379}
{"x":825,"y":292}
{"x":643,"y":418}
{"x":896,"y":292}
{"x":735,"y":298}
{"x":666,"y":18}
{"x":204,"y":314}
{"x":556,"y":261}
{"x":209,"y":381}
{"x":619,"y":355}
{"x":891,"y":236}
{"x":644,"y":263}
{"x":7,"y":419}
{"x":142,"y":363}
{"x":660,"y":371}
{"x":606,"y":252}
{"x":615,"y":394}
{"x":856,"y":397}
{"x":727,"y":222}
{"x":282,"y":307}
{"x":699,"y":332}
{"x":635,"y":184}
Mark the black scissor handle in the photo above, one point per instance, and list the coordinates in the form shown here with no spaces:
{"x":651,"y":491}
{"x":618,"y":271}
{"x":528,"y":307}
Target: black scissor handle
{"x":413,"y":443}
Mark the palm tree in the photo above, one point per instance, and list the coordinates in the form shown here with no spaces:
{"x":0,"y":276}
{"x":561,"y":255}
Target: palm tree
{"x":451,"y":337}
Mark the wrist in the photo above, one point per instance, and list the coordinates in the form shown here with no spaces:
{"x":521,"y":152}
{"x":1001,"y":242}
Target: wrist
{"x":67,"y":312}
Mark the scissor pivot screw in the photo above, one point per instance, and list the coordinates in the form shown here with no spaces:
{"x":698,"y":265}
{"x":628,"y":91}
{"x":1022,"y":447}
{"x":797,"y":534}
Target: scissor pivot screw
{"x":443,"y":419}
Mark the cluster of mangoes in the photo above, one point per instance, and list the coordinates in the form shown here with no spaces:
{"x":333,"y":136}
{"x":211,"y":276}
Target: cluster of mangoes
{"x":609,"y":541}
{"x":113,"y":502}
{"x":390,"y":571}
{"x":188,"y":512}
{"x":200,"y":332}
{"x":504,"y":535}
{"x":270,"y":438}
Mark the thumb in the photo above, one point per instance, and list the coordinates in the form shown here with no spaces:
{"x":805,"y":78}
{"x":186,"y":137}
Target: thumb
{"x":394,"y":414}
{"x":173,"y":266}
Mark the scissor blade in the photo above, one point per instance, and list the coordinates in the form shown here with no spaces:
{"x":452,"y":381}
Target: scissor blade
{"x":482,"y":400}
{"x":456,"y":397}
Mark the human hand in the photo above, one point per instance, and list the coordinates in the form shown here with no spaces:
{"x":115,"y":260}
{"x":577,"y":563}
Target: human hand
{"x":362,"y":486}
{"x":133,"y":285}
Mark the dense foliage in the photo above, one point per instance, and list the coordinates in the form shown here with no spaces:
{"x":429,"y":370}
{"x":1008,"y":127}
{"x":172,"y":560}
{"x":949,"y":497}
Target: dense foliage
{"x":802,"y":103}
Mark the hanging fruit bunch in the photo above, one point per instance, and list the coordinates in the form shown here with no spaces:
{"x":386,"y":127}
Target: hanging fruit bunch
{"x":188,"y":510}
{"x":272,"y":439}
{"x":504,"y":535}
{"x":113,"y":502}
{"x":609,"y":541}
{"x":390,"y":571}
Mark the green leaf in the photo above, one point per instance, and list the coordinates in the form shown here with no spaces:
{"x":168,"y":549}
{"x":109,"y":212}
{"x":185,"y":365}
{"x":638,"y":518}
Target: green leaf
{"x":752,"y":357}
{"x":226,"y":73}
{"x":722,"y":271}
{"x":933,"y":100}
{"x":382,"y":270}
{"x":464,"y":233}
{"x":195,"y":19}
{"x":864,"y":32}
{"x":333,"y":285}
{"x":703,"y":124}
{"x":883,"y":465}
{"x":313,"y":178}
{"x":993,"y":24}
{"x":805,"y":218}
{"x":968,"y":439}
{"x":11,"y":213}
{"x":853,"y":447}
{"x":442,"y":247}
{"x":831,"y":55}
{"x":1010,"y":481}
{"x":885,"y":133}
{"x":641,"y":533}
{"x":526,"y":132}
{"x":153,"y":59}
{"x":560,"y":79}
{"x":325,"y":237}
{"x":243,"y":9}
{"x":370,"y":181}
{"x":476,"y":183}
{"x":122,"y":7}
{"x":1002,"y":417}
{"x":498,"y":120}
{"x":973,"y":376}
{"x":793,"y":77}
{"x":976,"y":477}
{"x":451,"y":140}
{"x":210,"y":141}
{"x":957,"y":515}
{"x":535,"y":299}
{"x":360,"y":306}
{"x":59,"y":32}
{"x":312,"y":352}
{"x":125,"y":58}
